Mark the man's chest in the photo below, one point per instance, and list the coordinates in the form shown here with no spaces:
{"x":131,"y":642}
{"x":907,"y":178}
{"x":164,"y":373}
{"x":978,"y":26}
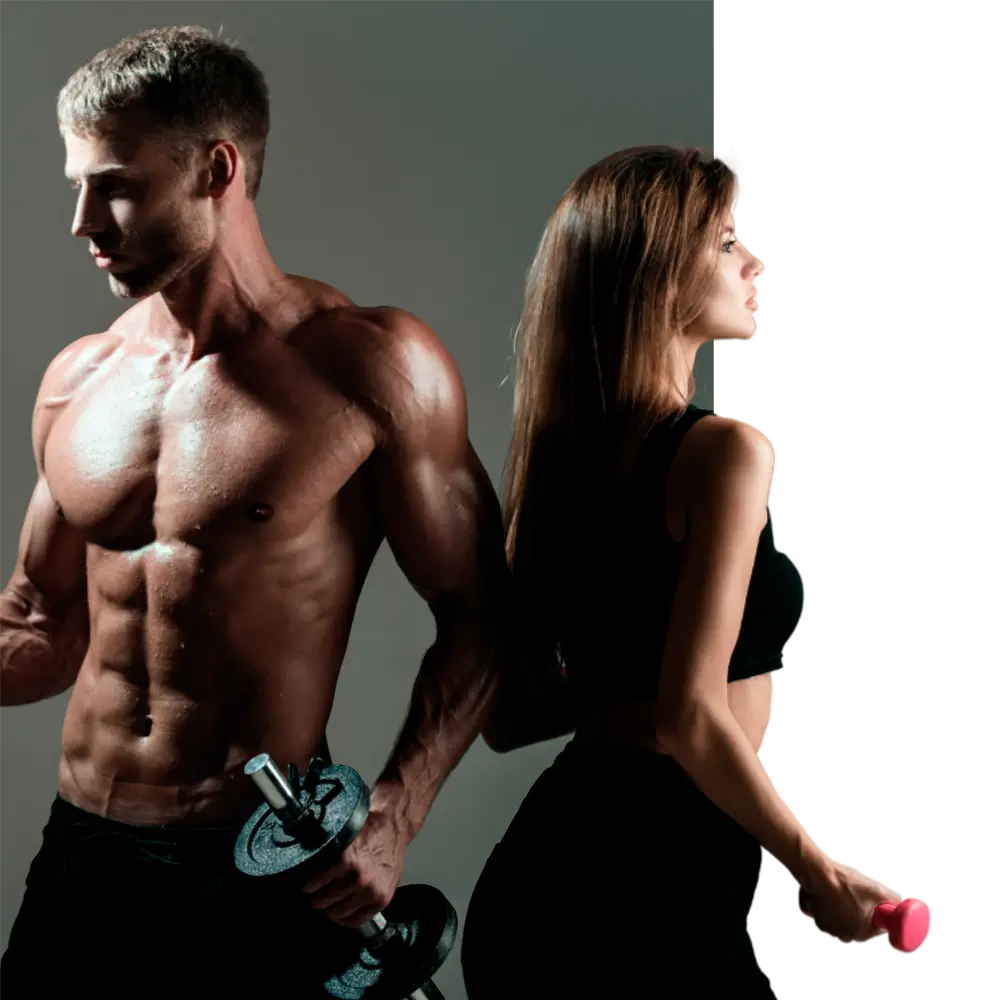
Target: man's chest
{"x":144,"y":452}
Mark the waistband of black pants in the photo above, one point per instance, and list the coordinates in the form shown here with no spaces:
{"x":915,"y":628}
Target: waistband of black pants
{"x":67,"y":817}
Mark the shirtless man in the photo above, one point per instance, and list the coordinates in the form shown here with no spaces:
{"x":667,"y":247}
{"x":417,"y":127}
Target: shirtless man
{"x":215,"y":475}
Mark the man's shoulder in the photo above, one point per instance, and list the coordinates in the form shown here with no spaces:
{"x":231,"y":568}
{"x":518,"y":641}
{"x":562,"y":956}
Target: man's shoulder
{"x":77,"y":361}
{"x":66,"y":373}
{"x":389,"y":333}
{"x":333,"y":315}
{"x":392,"y":357}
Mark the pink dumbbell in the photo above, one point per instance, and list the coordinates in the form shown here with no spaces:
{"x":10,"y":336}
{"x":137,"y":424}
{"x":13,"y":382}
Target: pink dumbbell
{"x":907,"y":923}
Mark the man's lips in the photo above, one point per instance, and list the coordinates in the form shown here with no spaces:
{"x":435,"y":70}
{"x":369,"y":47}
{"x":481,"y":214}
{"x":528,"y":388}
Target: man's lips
{"x":104,"y":258}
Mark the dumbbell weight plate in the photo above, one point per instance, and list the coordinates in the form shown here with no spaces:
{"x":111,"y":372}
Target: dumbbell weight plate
{"x":426,"y":925}
{"x":339,"y":809}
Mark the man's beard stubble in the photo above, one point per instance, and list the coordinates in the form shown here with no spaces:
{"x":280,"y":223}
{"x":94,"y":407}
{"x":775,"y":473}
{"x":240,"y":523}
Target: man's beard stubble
{"x":168,"y":257}
{"x":152,"y":277}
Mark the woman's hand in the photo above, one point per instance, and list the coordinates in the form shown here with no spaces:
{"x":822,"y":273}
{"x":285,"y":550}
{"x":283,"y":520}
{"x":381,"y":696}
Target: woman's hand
{"x":842,"y":900}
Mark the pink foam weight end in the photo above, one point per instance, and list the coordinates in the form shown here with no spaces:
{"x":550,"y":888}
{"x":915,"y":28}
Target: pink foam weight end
{"x":907,"y":923}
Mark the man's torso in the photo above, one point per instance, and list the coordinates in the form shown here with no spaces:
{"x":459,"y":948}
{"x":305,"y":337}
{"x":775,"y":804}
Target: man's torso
{"x":229,"y":536}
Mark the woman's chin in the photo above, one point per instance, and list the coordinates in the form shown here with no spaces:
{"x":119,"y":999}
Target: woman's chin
{"x":731,"y":337}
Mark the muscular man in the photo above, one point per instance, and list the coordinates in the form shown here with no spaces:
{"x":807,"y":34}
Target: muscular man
{"x":215,"y":475}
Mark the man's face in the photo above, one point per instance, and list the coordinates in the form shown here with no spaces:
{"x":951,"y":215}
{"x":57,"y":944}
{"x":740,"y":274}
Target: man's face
{"x":141,"y":212}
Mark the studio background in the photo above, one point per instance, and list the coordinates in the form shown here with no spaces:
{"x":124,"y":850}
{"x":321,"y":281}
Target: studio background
{"x":415,"y":154}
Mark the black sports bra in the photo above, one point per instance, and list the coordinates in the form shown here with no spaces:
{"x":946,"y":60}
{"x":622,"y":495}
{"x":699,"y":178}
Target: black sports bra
{"x":613,"y":646}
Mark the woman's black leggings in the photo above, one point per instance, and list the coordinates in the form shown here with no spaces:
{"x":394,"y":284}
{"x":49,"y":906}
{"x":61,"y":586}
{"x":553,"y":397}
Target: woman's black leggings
{"x":616,"y":878}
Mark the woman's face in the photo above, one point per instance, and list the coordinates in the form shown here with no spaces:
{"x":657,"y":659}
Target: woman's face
{"x":728,"y":313}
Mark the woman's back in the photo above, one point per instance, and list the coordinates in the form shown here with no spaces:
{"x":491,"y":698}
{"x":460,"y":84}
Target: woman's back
{"x":613,"y":568}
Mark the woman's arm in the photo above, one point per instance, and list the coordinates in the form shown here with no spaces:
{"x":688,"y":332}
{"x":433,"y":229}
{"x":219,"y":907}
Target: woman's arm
{"x":728,"y":475}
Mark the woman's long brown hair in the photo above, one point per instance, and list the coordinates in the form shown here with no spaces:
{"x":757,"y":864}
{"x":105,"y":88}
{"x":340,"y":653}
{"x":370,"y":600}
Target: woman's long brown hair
{"x":622,"y":268}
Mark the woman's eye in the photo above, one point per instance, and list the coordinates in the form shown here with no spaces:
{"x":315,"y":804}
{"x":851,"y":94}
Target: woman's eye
{"x":728,"y":245}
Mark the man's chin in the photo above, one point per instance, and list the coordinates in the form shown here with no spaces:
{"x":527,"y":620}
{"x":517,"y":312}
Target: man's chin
{"x":131,"y":290}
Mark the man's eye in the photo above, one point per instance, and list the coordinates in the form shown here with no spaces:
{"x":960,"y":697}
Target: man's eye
{"x":104,"y":188}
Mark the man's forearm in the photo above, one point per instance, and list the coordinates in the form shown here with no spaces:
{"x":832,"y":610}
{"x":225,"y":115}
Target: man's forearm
{"x":452,"y":698}
{"x":37,"y":659}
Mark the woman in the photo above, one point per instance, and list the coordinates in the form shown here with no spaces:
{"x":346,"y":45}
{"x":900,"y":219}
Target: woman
{"x":654,"y":608}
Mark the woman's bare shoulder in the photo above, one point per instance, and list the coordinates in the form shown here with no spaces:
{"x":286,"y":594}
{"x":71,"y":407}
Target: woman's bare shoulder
{"x":719,"y":455}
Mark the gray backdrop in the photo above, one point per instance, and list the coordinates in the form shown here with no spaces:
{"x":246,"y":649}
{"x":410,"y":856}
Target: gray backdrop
{"x":417,"y":150}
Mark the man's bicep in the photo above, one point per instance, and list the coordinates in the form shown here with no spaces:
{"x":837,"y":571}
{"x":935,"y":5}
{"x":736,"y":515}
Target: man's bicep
{"x":441,"y":519}
{"x":437,"y":506}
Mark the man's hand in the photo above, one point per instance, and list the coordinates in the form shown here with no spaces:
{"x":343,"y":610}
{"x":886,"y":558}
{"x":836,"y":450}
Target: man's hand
{"x":365,"y":878}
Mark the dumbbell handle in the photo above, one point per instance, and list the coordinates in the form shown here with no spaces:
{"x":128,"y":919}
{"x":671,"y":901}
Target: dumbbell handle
{"x":281,"y":798}
{"x":274,"y":787}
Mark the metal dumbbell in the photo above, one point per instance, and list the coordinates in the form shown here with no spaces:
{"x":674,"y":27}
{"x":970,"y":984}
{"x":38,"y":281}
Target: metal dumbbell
{"x":306,"y":824}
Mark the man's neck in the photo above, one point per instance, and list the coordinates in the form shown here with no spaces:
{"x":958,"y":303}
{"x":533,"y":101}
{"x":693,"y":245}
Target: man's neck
{"x":224,"y":298}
